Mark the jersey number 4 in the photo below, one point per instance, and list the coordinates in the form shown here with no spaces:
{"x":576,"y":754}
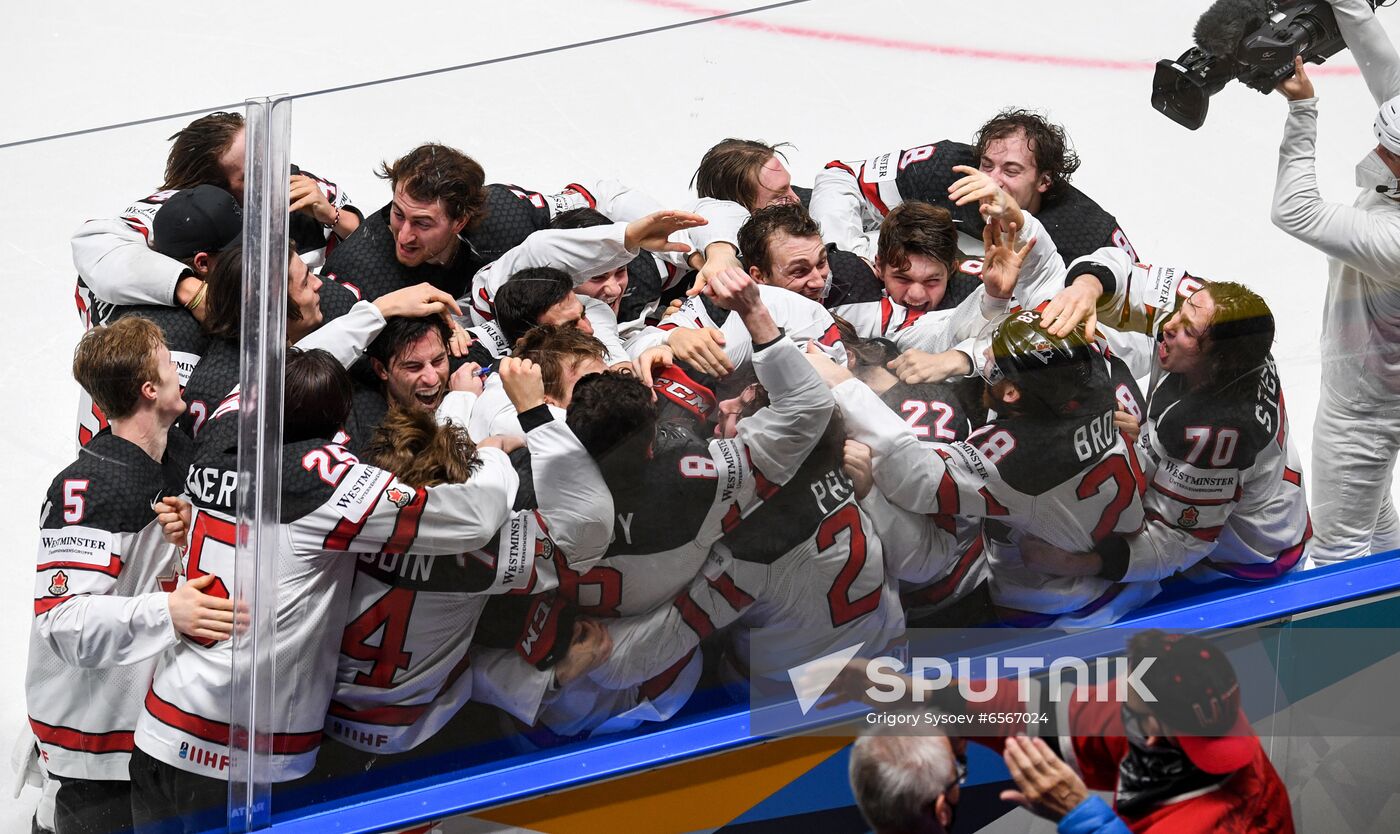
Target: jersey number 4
{"x":388,"y":614}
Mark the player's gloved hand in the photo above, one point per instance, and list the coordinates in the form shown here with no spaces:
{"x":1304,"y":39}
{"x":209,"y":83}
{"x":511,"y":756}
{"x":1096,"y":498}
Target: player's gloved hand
{"x":916,"y":366}
{"x":702,"y":349}
{"x":859,"y":466}
{"x":1079,"y":302}
{"x":1040,"y":555}
{"x":1297,"y":86}
{"x":505,"y":442}
{"x":1002,"y":259}
{"x":591,"y":647}
{"x":197,"y":614}
{"x":833,"y":373}
{"x":652,"y":232}
{"x":308,"y":198}
{"x":173,"y":515}
{"x":420,"y":300}
{"x":652,"y":358}
{"x":467,"y":378}
{"x":1048,"y":786}
{"x":1125,"y":422}
{"x":523,"y":381}
{"x":718,"y":258}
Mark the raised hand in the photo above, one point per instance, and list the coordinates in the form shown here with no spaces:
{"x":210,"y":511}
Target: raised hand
{"x":701,"y":349}
{"x":173,"y":514}
{"x":652,"y":232}
{"x":1297,"y":86}
{"x":523,"y":381}
{"x":419,"y":300}
{"x":1048,"y":786}
{"x":718,"y":258}
{"x":1002,"y":259}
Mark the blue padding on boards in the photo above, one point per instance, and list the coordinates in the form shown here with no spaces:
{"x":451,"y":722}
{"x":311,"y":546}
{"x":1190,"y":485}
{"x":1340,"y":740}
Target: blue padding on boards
{"x":1215,"y":606}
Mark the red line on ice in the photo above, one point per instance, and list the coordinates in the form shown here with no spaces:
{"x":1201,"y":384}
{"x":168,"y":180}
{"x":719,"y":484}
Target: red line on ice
{"x":937,"y":49}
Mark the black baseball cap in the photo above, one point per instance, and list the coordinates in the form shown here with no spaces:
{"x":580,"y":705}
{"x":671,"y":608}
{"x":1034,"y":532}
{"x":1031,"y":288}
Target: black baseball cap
{"x":205,"y":218}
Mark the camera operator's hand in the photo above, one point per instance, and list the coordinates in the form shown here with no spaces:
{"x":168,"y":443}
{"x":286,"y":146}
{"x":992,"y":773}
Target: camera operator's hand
{"x":1297,"y":86}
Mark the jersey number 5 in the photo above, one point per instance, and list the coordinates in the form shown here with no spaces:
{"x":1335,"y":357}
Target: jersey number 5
{"x":212,"y":540}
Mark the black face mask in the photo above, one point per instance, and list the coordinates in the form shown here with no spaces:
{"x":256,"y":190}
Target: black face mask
{"x":1149,"y":776}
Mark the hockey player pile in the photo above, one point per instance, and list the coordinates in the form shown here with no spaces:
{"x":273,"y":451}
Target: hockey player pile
{"x":556,"y":453}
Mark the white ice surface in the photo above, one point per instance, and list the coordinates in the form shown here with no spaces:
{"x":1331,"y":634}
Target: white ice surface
{"x":837,"y":79}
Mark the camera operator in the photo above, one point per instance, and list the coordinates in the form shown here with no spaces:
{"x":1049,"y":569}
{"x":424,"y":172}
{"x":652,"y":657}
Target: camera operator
{"x":1357,"y":432}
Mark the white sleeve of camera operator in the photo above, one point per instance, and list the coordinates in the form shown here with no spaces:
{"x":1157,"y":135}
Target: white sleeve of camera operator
{"x":1369,"y":44}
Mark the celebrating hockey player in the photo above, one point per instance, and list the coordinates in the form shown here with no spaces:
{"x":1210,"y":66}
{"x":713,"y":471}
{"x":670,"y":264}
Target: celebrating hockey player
{"x":333,"y":504}
{"x":1226,"y":489}
{"x":105,"y":601}
{"x":1024,"y":153}
{"x":1051,"y":464}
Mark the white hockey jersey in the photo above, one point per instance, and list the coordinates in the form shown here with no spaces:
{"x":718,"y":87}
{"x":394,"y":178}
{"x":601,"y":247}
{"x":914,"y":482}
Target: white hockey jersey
{"x":1226,"y":489}
{"x":332,"y":504}
{"x":404,"y":667}
{"x":101,"y":615}
{"x":1071,"y":482}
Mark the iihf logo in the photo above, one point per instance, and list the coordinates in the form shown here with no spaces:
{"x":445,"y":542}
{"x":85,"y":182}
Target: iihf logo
{"x":58,"y":586}
{"x":1189,"y":517}
{"x":184,"y":749}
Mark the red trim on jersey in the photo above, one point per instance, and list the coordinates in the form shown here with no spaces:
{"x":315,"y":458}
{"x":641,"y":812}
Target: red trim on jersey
{"x":398,"y":716}
{"x":84,"y":436}
{"x":489,"y":312}
{"x":994,"y":507}
{"x":1285,"y":562}
{"x":116,"y":741}
{"x":733,"y":594}
{"x":587,"y":195}
{"x":947,"y":489}
{"x":1200,"y":502}
{"x":910,"y":316}
{"x":667,"y":326}
{"x":1205,"y":534}
{"x":346,"y":531}
{"x":406,"y":526}
{"x":831,"y":336}
{"x":886,"y":311}
{"x":47,"y":604}
{"x":762,"y":487}
{"x":657,"y":686}
{"x":731,"y":518}
{"x":217,"y":732}
{"x":112,"y":568}
{"x":871,"y":190}
{"x":942,"y":589}
{"x":945,"y":522}
{"x":1282,"y":421}
{"x":694,"y":615}
{"x":1293,"y":476}
{"x":836,"y":163}
{"x":138,"y":226}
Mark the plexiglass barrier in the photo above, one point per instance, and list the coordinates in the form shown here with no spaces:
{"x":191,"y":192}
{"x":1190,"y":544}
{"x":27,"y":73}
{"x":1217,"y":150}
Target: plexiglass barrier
{"x":450,"y":635}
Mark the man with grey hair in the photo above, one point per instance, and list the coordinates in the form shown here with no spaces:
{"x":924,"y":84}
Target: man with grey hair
{"x":906,"y":784}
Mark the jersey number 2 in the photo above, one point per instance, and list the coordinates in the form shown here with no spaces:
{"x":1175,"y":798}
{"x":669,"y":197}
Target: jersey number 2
{"x":843,"y":608}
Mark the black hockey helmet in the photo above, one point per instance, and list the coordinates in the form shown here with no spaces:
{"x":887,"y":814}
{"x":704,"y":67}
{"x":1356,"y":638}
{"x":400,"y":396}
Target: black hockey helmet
{"x":1059,"y":375}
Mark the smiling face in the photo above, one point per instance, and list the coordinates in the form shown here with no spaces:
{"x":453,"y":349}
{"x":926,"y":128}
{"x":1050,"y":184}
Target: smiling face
{"x":919,"y":284}
{"x":417,"y":375}
{"x":1010,"y":162}
{"x":607,"y":288}
{"x":1183,"y":346}
{"x":423,"y":231}
{"x":169,"y":403}
{"x":796,"y":263}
